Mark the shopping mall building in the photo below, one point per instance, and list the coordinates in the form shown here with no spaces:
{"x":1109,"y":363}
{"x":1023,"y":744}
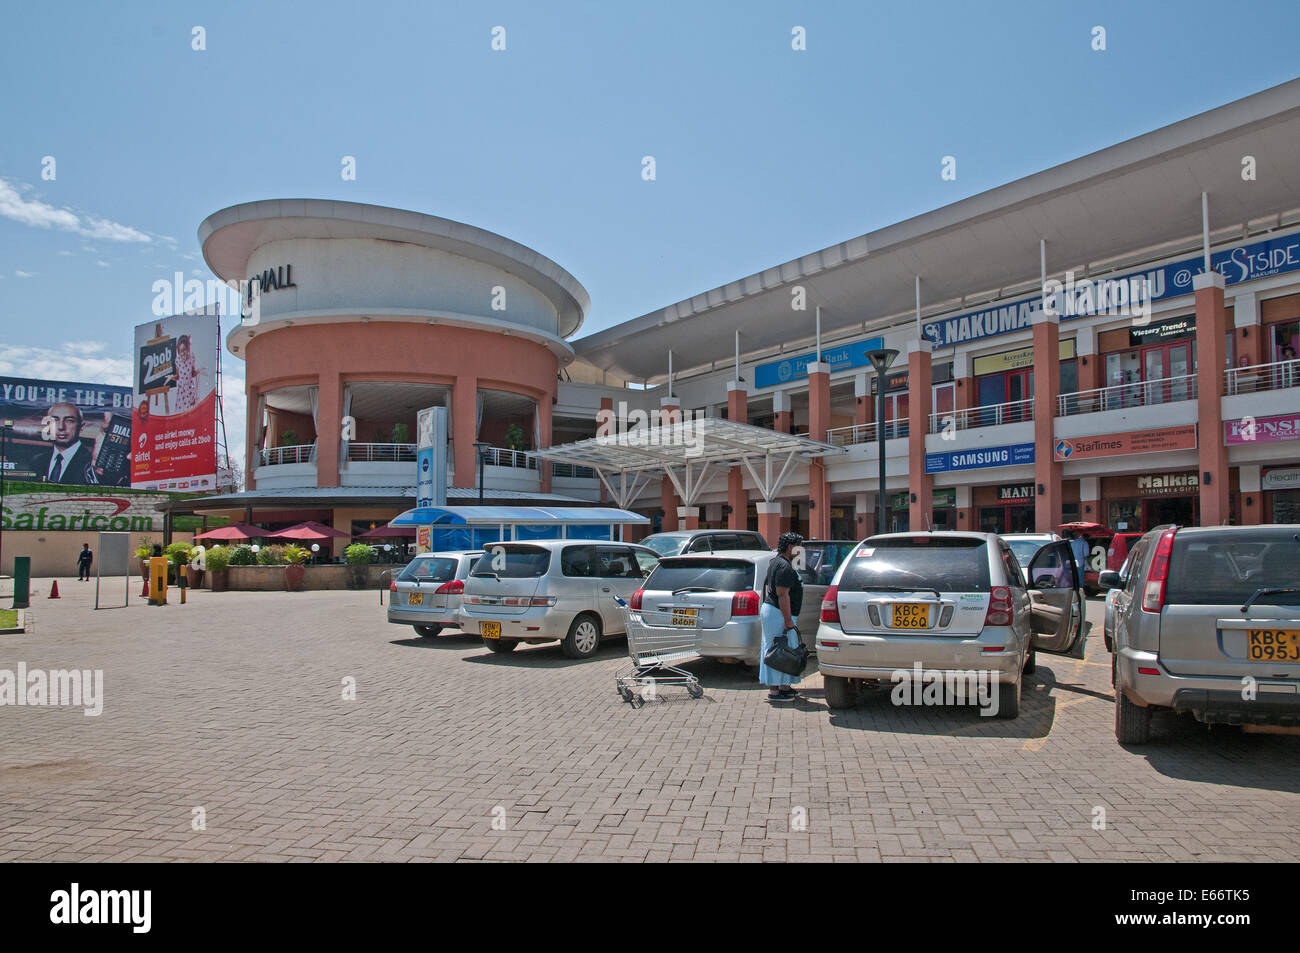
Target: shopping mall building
{"x":1143,"y":388}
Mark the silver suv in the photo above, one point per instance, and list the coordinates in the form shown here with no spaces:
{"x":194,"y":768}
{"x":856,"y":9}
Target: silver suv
{"x":553,"y":590}
{"x":948,"y":602}
{"x":1207,"y":622}
{"x":679,"y":542}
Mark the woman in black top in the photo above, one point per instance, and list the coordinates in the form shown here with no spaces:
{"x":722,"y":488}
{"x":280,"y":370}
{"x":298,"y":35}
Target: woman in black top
{"x":782,"y":599}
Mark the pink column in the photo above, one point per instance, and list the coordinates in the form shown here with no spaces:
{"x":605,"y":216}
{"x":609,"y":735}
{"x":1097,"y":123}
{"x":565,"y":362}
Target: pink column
{"x":670,"y":412}
{"x":819,"y":420}
{"x":921,"y":484}
{"x":737,"y":498}
{"x":464,"y":430}
{"x":1047,"y":385}
{"x":329,"y":428}
{"x":1212,"y":453}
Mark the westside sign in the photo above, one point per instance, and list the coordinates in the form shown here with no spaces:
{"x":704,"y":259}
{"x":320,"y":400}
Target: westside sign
{"x":796,"y":368}
{"x":1008,"y":456}
{"x":52,"y":512}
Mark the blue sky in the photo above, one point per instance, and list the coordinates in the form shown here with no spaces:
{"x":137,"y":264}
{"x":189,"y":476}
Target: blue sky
{"x":762,"y":153}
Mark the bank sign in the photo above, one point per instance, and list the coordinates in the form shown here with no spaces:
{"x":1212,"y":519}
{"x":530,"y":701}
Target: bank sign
{"x":1008,"y":456}
{"x":796,"y":368}
{"x":1242,"y":263}
{"x":82,"y":513}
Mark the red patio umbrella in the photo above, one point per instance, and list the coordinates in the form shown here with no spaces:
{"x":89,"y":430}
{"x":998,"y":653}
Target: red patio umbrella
{"x":389,"y":532}
{"x":234,"y":531}
{"x":310,"y":531}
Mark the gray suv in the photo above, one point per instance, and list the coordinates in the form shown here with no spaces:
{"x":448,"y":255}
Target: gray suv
{"x":1207,"y":622}
{"x":679,"y":542}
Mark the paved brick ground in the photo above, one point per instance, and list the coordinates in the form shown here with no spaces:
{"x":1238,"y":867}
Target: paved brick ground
{"x":233,"y":704}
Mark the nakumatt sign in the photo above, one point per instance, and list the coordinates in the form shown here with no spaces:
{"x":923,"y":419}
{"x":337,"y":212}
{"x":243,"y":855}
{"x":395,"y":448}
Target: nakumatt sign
{"x":83,"y":513}
{"x":1096,"y":296}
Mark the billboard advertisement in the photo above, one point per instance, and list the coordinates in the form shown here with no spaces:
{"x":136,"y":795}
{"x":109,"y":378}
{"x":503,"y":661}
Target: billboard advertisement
{"x":173,"y":430}
{"x":65,"y":432}
{"x":1115,"y":444}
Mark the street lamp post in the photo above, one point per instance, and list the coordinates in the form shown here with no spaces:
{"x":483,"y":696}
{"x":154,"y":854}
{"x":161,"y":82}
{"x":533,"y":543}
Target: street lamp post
{"x":480,"y":448}
{"x":881,"y":360}
{"x":5,"y":426}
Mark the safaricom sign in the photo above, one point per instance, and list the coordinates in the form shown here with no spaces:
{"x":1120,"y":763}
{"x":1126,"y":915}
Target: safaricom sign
{"x":46,"y":512}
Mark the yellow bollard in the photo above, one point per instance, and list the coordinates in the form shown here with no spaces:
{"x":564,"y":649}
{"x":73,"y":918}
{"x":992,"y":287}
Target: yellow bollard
{"x":158,"y":580}
{"x":184,"y":579}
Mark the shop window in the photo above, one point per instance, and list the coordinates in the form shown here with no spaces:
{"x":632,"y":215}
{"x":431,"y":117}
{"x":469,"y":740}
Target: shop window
{"x":1069,"y":377}
{"x":1284,"y":341}
{"x":1125,"y":516}
{"x":1286,"y":506}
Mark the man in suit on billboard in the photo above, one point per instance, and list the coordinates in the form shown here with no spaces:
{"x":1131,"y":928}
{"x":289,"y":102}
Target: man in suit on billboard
{"x":67,"y":461}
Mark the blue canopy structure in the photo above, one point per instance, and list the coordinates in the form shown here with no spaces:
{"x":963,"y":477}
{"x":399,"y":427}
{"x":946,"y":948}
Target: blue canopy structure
{"x":471,"y":527}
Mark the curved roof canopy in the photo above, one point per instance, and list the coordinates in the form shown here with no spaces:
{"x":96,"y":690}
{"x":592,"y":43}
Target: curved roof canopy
{"x":529,"y":515}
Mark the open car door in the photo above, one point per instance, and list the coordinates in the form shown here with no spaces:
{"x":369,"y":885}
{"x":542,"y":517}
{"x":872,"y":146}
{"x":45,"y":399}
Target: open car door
{"x":1055,"y":599}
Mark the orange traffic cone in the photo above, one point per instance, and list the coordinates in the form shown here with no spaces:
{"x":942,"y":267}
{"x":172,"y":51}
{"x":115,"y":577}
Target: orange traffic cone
{"x":54,"y":590}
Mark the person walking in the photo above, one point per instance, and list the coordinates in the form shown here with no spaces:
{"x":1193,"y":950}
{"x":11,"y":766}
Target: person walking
{"x":1079,"y":547}
{"x":782,"y":600}
{"x":84,"y":559}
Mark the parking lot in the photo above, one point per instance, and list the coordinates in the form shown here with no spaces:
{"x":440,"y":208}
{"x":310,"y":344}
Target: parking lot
{"x":233,"y":704}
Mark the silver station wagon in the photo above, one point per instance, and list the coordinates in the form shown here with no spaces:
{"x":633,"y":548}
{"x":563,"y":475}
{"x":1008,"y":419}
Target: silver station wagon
{"x":553,"y":590}
{"x":427,"y":593}
{"x":1207,"y":622}
{"x":947,"y":602}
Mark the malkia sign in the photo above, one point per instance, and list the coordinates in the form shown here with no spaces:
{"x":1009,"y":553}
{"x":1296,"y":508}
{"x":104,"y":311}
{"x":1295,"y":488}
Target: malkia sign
{"x":83,"y":512}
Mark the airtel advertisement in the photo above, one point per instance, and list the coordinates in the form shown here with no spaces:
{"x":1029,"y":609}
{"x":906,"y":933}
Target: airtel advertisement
{"x":173,"y":429}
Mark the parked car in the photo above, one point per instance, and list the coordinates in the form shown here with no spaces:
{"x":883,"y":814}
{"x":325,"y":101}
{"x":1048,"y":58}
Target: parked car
{"x":676,"y":542}
{"x":1108,"y":626}
{"x":427,"y":593}
{"x":1208,"y":624}
{"x":1117,"y":550}
{"x":1026,"y":547}
{"x":553,"y":590}
{"x":1107,"y":549}
{"x":948,"y":601}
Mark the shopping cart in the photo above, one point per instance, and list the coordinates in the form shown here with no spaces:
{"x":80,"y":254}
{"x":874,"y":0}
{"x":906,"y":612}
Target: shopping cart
{"x":653,"y":650}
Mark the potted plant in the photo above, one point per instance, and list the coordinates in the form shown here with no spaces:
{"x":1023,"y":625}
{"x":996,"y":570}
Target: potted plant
{"x":178,"y":554}
{"x":218,"y":560}
{"x":289,"y":438}
{"x":196,"y":575}
{"x":294,"y":571}
{"x":243,"y":555}
{"x":142,"y":553}
{"x":514,"y":438}
{"x":401,"y":434}
{"x":359,"y":556}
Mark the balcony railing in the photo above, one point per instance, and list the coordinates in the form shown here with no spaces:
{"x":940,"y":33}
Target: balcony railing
{"x":562,"y":469}
{"x":1165,"y":390}
{"x":1011,"y":412}
{"x":294,"y":453}
{"x":381,"y":452}
{"x":501,"y":457}
{"x":866,"y":433}
{"x":1262,"y":377}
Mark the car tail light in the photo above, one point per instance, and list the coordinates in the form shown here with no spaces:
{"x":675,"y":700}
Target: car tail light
{"x":392,"y":586}
{"x":999,"y":612}
{"x":472,"y":600}
{"x":454,"y":588}
{"x":745,"y":603}
{"x":830,"y":605}
{"x":636,"y":599}
{"x":1153,"y":596}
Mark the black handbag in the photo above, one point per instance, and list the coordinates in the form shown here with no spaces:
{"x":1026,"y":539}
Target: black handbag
{"x":781,"y":657}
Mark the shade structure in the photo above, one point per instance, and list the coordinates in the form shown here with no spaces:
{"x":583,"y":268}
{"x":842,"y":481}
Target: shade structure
{"x":311,"y":531}
{"x":233,"y":531}
{"x":388,"y":532}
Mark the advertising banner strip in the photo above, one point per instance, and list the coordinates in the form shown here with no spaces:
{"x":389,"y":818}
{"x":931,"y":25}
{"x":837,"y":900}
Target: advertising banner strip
{"x":60,"y":510}
{"x":1117,"y":444}
{"x":796,"y":368}
{"x":980,"y":458}
{"x":1261,"y":429}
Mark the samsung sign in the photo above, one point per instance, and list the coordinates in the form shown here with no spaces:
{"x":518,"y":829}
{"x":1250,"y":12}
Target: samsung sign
{"x":796,"y":368}
{"x":1008,"y":456}
{"x":1243,"y":263}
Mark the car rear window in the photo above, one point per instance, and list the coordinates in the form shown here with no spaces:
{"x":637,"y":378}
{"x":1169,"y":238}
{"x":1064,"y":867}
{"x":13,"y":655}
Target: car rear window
{"x":931,"y":562}
{"x":429,"y":569}
{"x":724,"y":575}
{"x":513,"y":562}
{"x":1218,"y":568}
{"x":820,"y":560}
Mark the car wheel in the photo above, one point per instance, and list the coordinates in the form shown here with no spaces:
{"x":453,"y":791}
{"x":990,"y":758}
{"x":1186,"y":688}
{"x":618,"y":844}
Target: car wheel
{"x":427,"y":631}
{"x":1132,"y":722}
{"x":583,"y":639}
{"x":501,"y":646}
{"x":839,"y":692}
{"x":1031,"y":661}
{"x":1009,"y":699}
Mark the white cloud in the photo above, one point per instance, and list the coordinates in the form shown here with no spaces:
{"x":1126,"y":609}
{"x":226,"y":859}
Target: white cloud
{"x":38,"y":214}
{"x":66,"y":254}
{"x":24,"y":274}
{"x":103,"y":264}
{"x":72,"y":361}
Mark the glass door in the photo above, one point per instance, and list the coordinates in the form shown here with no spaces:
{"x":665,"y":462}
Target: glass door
{"x":1180,"y":369}
{"x":1153,"y":375}
{"x":1020,"y":387}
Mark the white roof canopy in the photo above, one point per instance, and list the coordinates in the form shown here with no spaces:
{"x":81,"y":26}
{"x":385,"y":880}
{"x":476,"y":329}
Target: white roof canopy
{"x":690,"y":453}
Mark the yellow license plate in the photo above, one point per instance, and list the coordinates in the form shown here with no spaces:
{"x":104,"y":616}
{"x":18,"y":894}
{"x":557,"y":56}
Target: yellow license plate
{"x":1274,"y":645}
{"x":415,"y":599}
{"x":490,"y":630}
{"x":685,"y":616}
{"x":911,"y":615}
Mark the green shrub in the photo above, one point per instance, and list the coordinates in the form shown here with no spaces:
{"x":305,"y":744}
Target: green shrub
{"x":295,"y":554}
{"x":272,"y":555}
{"x":178,"y":554}
{"x":359,"y":554}
{"x":218,"y":559}
{"x":401,"y":433}
{"x":243,"y":555}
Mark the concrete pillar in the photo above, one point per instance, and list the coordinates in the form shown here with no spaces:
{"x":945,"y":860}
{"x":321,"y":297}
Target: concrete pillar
{"x":1088,"y":361}
{"x":781,"y":409}
{"x":606,"y":414}
{"x":864,"y":405}
{"x":544,"y":434}
{"x":737,"y":499}
{"x":864,"y":518}
{"x":819,"y":418}
{"x":964,"y":397}
{"x":769,"y":521}
{"x":965,"y":512}
{"x":329,"y":416}
{"x":464,"y":429}
{"x":920,"y":484}
{"x":1090,"y":500}
{"x":252,"y":430}
{"x":688,"y":517}
{"x":1252,"y":502}
{"x":1249,"y":340}
{"x":670,"y":412}
{"x":1212,"y":455}
{"x":1047,"y":385}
